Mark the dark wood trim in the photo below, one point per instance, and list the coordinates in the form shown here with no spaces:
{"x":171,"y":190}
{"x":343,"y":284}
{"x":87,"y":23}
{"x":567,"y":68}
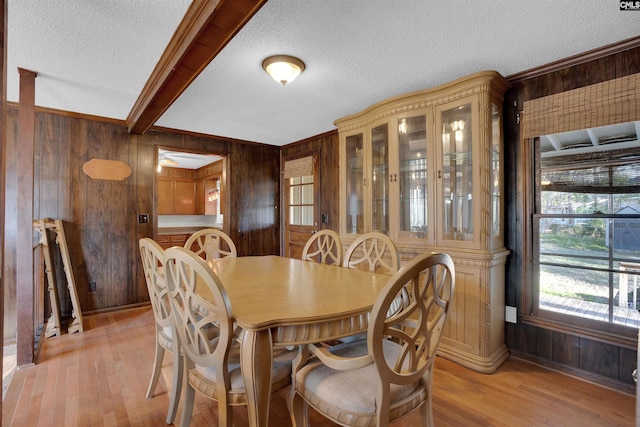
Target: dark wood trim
{"x":310,"y":139}
{"x":14,"y":106}
{"x":117,"y":309}
{"x":3,"y":157}
{"x":45,"y":110}
{"x":205,"y":30}
{"x":615,"y":336}
{"x":571,"y":61}
{"x":24,"y":241}
{"x":206,"y":135}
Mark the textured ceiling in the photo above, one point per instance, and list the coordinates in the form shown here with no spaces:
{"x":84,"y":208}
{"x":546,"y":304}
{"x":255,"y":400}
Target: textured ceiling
{"x":94,"y":57}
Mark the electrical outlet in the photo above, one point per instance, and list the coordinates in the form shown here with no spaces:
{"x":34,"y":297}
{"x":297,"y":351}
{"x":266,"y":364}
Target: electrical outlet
{"x":511,"y":314}
{"x":143,"y":219}
{"x":92,"y":285}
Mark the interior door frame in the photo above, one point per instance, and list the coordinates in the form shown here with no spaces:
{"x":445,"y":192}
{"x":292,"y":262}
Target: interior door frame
{"x":316,"y":154}
{"x":225,"y":186}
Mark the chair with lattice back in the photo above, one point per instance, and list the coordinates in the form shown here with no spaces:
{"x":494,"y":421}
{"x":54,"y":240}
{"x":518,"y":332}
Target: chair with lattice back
{"x":202,"y":314}
{"x":324,"y":247}
{"x":374,"y":252}
{"x":389,"y":374}
{"x":211,"y":243}
{"x":152,"y":262}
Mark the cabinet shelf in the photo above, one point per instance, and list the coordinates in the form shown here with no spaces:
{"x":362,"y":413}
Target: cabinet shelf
{"x":465,"y":156}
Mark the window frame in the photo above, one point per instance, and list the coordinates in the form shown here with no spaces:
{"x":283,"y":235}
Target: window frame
{"x":611,"y":259}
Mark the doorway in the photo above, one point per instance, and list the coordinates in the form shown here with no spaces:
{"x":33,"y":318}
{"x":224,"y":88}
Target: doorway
{"x":190,"y":190}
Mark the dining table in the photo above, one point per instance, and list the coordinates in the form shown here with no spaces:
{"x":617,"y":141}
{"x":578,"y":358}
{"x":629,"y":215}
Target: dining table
{"x":280,"y":301}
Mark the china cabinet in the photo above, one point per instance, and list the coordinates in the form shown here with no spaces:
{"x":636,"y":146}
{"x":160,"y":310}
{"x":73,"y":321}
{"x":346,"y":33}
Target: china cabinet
{"x":425,"y":168}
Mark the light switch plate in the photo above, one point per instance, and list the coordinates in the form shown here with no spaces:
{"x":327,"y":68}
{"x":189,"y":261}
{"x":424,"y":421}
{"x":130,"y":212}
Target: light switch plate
{"x":511,"y":314}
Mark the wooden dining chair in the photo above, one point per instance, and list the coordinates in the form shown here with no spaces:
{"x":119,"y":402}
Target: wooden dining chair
{"x":152,"y":262}
{"x":211,"y":354}
{"x":324,"y":247}
{"x":374,"y":252}
{"x":377,"y":253}
{"x":211,"y":243}
{"x":390,"y":373}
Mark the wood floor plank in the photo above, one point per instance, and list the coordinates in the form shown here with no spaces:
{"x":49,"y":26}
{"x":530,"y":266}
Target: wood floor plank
{"x":99,"y":378}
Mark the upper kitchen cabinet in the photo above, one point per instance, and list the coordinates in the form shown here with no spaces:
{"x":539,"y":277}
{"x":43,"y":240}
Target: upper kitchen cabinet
{"x":176,"y":196}
{"x":212,"y":195}
{"x":425,"y":168}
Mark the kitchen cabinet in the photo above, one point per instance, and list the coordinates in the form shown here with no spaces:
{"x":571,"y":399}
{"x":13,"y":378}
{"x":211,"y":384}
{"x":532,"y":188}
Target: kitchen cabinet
{"x":200,"y":197}
{"x":208,"y":196}
{"x":425,"y":168}
{"x":176,"y":196}
{"x":212,"y":195}
{"x":168,"y":240}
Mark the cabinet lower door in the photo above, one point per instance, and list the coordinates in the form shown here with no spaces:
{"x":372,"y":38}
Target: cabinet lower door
{"x":474,"y":332}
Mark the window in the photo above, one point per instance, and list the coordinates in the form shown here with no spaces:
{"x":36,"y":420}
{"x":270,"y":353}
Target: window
{"x":299,"y":174}
{"x":586,"y":240}
{"x":301,"y":200}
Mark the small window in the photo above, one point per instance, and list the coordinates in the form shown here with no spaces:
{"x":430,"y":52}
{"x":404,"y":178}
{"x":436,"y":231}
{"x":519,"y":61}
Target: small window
{"x":299,"y":176}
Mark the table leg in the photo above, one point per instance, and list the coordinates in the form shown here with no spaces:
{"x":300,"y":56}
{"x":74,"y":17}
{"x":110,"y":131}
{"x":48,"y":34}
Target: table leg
{"x":256,"y":360}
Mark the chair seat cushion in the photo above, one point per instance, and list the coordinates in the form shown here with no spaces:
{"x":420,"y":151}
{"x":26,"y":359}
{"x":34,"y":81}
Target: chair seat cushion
{"x":349,"y":397}
{"x":203,"y":378}
{"x":165,"y":338}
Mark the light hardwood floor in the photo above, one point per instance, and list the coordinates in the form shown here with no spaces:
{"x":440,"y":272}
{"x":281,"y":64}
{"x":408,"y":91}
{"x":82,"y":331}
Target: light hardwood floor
{"x":99,"y":377}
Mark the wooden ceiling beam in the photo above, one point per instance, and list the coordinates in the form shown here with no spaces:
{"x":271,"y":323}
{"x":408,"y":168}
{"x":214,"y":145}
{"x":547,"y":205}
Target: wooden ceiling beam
{"x":205,"y":30}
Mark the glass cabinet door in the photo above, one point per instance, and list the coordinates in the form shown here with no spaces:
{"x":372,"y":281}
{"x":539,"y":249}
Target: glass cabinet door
{"x":457,"y":174}
{"x":496,"y":171}
{"x":354,"y":203}
{"x":380,"y":179}
{"x":412,"y":176}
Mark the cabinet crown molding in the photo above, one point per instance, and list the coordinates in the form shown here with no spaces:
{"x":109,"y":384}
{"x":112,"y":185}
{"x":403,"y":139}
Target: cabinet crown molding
{"x":480,"y":82}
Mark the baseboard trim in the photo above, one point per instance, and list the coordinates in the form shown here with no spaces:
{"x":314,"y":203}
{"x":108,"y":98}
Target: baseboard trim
{"x":590,"y":377}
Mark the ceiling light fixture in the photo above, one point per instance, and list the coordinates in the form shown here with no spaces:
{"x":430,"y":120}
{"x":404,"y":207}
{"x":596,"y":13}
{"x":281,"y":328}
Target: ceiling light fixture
{"x":283,"y":68}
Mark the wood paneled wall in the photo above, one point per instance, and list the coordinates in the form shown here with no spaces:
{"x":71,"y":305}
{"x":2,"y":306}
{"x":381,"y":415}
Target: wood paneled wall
{"x":100,"y":217}
{"x":601,"y":361}
{"x":328,"y":147}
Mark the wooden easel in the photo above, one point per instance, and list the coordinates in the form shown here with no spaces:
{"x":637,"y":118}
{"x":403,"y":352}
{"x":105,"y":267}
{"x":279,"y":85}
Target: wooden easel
{"x":53,"y":324}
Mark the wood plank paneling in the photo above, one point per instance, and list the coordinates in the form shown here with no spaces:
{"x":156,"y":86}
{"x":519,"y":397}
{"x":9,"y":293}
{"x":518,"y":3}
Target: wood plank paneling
{"x":565,"y":349}
{"x":10,"y":226}
{"x":100,"y":217}
{"x":24,"y":241}
{"x":257,"y":229}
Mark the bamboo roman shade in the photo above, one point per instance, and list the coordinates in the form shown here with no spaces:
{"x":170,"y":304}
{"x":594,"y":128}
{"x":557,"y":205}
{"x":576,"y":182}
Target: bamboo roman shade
{"x":604,"y":179}
{"x":610,"y":102}
{"x":298,"y":167}
{"x":602,"y":171}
